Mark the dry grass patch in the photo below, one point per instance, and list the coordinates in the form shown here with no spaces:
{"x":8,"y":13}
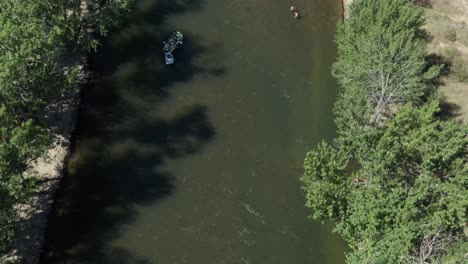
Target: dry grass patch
{"x":447,"y":25}
{"x":454,"y":103}
{"x":458,"y":64}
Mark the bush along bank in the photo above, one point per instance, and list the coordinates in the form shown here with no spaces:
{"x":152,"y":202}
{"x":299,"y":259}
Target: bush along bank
{"x":403,"y":198}
{"x":42,"y":46}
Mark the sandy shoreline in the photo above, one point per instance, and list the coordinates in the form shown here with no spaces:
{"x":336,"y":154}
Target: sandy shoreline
{"x":34,"y":213}
{"x":346,"y":4}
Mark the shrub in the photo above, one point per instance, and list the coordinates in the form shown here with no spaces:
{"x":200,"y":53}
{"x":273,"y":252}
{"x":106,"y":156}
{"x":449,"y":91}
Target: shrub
{"x":463,"y":35}
{"x":459,"y":67}
{"x":450,"y":35}
{"x":451,"y":53}
{"x":7,"y":216}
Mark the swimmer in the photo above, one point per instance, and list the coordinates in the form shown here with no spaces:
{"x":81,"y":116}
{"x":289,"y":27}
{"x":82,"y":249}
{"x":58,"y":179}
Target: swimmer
{"x":294,"y":11}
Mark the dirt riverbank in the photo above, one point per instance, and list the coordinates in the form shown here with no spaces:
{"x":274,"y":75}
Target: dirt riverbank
{"x":33,"y":213}
{"x":346,"y":4}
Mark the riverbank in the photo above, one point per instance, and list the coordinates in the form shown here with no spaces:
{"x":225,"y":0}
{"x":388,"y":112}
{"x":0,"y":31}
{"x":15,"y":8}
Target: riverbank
{"x":57,"y":115}
{"x":346,"y":4}
{"x":33,"y":213}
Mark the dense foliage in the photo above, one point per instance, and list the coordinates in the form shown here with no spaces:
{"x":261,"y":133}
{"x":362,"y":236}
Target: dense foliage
{"x":381,"y":61}
{"x":396,"y":187}
{"x":412,"y":183}
{"x":40,"y":46}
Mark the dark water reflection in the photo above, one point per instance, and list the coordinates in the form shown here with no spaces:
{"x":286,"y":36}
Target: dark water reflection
{"x":198,"y":162}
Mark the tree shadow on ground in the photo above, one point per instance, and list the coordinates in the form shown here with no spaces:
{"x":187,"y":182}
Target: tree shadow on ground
{"x":448,"y":110}
{"x":434,"y":59}
{"x":426,"y":35}
{"x":423,"y":3}
{"x":122,"y":141}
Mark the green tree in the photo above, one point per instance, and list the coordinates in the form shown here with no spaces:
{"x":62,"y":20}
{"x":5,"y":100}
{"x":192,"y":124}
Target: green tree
{"x":32,"y":43}
{"x":325,"y":182}
{"x":412,"y":185}
{"x":381,"y":61}
{"x":36,"y":47}
{"x":20,"y":143}
{"x":406,"y":200}
{"x":7,"y":216}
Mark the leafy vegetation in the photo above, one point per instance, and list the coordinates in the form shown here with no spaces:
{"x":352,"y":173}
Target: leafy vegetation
{"x":40,"y":43}
{"x":406,"y":199}
{"x":381,"y":58}
{"x":412,"y":183}
{"x":459,"y":67}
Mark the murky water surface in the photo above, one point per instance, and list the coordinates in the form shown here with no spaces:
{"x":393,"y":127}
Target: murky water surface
{"x":199,"y":162}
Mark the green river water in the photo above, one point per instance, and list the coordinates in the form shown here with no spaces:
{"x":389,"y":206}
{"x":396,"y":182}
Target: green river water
{"x":199,"y":162}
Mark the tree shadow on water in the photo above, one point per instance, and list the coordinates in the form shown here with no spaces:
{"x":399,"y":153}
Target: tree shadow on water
{"x":108,"y":176}
{"x":123,"y":140}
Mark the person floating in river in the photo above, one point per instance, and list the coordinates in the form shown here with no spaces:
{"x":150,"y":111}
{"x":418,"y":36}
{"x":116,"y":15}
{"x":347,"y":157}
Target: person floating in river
{"x":294,"y":12}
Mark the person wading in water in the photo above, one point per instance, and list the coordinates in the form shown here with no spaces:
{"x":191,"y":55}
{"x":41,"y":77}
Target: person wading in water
{"x":294,"y":12}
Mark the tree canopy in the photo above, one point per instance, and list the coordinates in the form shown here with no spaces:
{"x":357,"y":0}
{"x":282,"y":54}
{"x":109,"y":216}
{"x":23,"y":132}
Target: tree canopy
{"x":381,"y":59}
{"x":395,"y":181}
{"x":412,"y":182}
{"x":41,"y":45}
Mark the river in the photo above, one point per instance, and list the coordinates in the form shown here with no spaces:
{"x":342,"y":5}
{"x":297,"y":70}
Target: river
{"x":199,"y":162}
